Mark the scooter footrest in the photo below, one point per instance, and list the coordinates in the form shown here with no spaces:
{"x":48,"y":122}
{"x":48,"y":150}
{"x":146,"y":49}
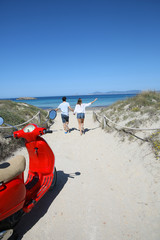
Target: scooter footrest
{"x":29,"y":177}
{"x":33,"y":182}
{"x":46,"y":183}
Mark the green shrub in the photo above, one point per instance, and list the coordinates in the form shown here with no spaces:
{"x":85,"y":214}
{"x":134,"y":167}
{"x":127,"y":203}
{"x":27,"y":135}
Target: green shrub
{"x":155,"y":141}
{"x":135,"y":109}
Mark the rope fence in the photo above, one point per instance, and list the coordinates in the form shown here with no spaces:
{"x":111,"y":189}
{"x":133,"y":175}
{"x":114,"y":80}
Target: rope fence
{"x":37,"y":115}
{"x":106,"y":119}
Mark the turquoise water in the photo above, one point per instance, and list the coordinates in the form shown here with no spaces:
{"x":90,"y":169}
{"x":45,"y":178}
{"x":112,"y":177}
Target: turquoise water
{"x":53,"y":102}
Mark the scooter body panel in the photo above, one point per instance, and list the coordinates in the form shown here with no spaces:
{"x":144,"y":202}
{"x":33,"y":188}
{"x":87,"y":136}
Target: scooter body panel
{"x":41,"y":157}
{"x":12,"y":196}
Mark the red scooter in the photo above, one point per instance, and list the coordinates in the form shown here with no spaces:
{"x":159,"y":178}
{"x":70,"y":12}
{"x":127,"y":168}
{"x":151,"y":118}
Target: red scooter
{"x":16,"y":196}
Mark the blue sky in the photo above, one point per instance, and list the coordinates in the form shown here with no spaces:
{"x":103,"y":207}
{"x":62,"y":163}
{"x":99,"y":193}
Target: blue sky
{"x":67,"y":47}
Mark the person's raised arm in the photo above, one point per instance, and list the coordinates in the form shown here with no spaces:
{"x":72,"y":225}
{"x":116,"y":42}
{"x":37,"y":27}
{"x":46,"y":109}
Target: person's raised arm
{"x":94,"y":100}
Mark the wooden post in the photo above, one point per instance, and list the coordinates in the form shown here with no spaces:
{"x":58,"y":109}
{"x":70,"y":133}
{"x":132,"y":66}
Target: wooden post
{"x":94,"y":116}
{"x":39,"y":117}
{"x":104,"y":121}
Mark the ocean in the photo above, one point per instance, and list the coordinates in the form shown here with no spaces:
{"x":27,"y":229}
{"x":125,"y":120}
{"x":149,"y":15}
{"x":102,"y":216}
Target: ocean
{"x":53,"y":102}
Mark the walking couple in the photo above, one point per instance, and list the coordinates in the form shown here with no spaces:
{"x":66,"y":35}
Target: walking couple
{"x":79,"y":109}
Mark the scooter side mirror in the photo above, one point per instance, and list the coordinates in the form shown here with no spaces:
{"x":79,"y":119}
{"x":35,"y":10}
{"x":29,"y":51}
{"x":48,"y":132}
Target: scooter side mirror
{"x":52,"y":114}
{"x":1,"y":121}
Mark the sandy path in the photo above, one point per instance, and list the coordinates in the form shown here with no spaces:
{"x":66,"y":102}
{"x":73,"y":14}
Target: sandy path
{"x":105,"y":189}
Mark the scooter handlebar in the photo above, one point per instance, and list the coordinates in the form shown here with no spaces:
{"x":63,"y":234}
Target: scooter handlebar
{"x":47,"y":131}
{"x":10,"y":136}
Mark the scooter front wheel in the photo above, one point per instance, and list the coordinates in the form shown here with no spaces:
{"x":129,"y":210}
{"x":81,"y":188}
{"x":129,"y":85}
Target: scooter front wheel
{"x":53,"y":184}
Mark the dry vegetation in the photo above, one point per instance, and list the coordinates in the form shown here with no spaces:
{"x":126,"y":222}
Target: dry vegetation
{"x":141,"y":111}
{"x":15,"y":113}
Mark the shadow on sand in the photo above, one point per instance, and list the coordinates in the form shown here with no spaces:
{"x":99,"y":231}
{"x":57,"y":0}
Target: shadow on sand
{"x":89,"y":129}
{"x":30,"y":219}
{"x":85,"y":130}
{"x":73,"y":129}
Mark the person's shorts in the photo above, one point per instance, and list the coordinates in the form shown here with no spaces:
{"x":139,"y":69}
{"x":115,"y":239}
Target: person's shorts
{"x":65,"y":118}
{"x":80,"y":115}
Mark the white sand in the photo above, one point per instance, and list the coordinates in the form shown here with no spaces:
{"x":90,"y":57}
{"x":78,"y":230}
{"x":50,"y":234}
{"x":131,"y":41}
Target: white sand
{"x":115,"y":196}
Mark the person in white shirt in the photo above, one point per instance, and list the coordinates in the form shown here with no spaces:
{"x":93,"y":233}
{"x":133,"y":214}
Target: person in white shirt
{"x":64,"y":107}
{"x":80,"y":110}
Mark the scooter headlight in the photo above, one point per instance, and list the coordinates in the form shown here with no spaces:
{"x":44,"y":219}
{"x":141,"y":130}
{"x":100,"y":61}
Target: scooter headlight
{"x":29,"y":128}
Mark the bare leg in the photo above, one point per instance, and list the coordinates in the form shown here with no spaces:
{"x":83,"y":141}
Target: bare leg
{"x":82,"y":124}
{"x":79,"y":125}
{"x":67,"y":126}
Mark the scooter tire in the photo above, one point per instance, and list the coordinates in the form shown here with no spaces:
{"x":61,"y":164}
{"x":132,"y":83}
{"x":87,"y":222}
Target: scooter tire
{"x":53,"y":184}
{"x":14,"y":236}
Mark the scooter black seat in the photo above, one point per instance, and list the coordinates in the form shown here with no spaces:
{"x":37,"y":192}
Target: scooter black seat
{"x":12,"y":168}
